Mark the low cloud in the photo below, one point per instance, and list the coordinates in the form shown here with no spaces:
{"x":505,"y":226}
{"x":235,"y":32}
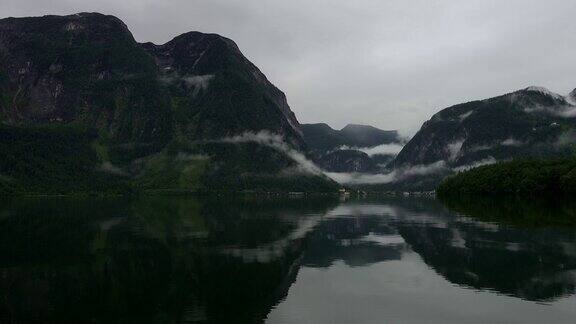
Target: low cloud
{"x":479,"y":148}
{"x":566,"y":138}
{"x":191,"y":157}
{"x":511,"y":142}
{"x":112,"y":169}
{"x":454,"y":148}
{"x":393,"y":176}
{"x":198,"y":82}
{"x":361,"y":178}
{"x":386,"y":149}
{"x":305,"y":166}
{"x":276,"y":142}
{"x":489,"y":160}
{"x":465,"y":115}
{"x":568,"y":112}
{"x":564,"y":111}
{"x":507,"y":142}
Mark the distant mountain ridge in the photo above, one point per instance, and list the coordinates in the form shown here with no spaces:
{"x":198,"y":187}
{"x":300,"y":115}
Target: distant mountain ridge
{"x":347,"y":161}
{"x":341,"y":150}
{"x":323,"y":137}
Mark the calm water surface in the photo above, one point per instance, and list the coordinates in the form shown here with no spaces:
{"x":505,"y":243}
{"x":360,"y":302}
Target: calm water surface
{"x":192,"y":260}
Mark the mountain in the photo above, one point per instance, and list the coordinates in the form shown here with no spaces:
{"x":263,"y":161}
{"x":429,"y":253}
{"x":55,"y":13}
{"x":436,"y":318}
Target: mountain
{"x":368,"y":136}
{"x":339,"y":150}
{"x":571,"y":98}
{"x":529,"y":123}
{"x":542,"y":178}
{"x":84,"y":107}
{"x":347,"y":161}
{"x":218,"y":92}
{"x":322,"y":137}
{"x":85,"y":68}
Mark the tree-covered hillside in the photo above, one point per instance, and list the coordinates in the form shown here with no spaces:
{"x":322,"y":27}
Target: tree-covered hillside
{"x":536,"y":177}
{"x":85,"y":108}
{"x":532,"y":122}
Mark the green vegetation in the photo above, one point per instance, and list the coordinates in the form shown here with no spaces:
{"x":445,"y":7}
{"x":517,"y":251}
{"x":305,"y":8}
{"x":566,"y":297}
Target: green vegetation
{"x":53,"y":160}
{"x":94,"y":112}
{"x":142,"y":260}
{"x":227,"y":167}
{"x":486,"y":125}
{"x":182,"y":172}
{"x":535,"y":177}
{"x":71,"y":159}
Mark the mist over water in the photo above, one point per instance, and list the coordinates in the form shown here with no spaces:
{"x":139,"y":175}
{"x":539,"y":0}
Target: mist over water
{"x":316,"y":260}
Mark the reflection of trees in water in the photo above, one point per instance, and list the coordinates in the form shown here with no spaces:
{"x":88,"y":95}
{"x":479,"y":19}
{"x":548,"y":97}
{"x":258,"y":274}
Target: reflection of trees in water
{"x":164,"y":260}
{"x":530,"y":263}
{"x":521,"y":258}
{"x":150,"y":261}
{"x":534,"y":212}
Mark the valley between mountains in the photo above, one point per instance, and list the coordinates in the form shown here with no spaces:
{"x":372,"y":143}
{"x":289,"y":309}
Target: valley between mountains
{"x":85,"y":108}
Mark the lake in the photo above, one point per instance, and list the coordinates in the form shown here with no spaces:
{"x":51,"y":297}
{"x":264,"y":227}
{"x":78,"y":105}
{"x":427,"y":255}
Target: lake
{"x":300,"y":260}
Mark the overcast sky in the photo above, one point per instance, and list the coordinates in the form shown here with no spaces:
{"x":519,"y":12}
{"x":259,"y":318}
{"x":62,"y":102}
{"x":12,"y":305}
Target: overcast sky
{"x":389,"y":63}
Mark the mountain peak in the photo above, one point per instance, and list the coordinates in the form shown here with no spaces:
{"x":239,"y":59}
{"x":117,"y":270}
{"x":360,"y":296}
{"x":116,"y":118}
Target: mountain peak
{"x":516,"y":125}
{"x":195,"y":36}
{"x":357,"y":126}
{"x":571,"y":98}
{"x":322,"y":126}
{"x":367,"y":130}
{"x":95,"y":27}
{"x":544,"y":91}
{"x":86,"y":74}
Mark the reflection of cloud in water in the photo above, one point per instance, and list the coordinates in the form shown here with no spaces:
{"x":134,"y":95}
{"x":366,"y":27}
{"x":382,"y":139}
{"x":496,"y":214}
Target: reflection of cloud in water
{"x":520,"y":262}
{"x":462,"y":249}
{"x":384,"y":239}
{"x":271,"y":251}
{"x":108,"y":224}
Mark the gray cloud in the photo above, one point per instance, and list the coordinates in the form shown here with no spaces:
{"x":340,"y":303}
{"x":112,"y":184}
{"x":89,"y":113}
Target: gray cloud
{"x":275,"y":141}
{"x":387,"y":63}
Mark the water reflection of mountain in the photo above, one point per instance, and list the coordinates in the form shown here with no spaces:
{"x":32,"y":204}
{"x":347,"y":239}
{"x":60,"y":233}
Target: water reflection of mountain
{"x":531,"y":263}
{"x":536,"y":264}
{"x":151,"y":261}
{"x":357,"y":241}
{"x":172,"y":260}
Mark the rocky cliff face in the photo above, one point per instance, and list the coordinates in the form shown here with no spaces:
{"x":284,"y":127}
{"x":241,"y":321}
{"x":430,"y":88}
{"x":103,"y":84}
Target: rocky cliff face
{"x":532,"y":122}
{"x":84,"y":68}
